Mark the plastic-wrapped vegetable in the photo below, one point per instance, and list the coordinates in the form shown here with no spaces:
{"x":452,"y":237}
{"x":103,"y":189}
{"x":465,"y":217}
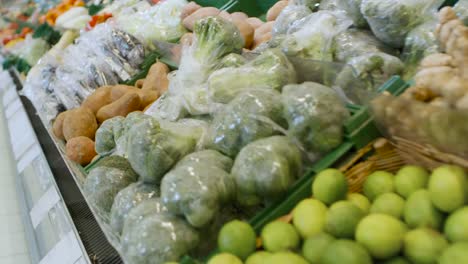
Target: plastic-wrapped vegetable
{"x":157,"y":237}
{"x":265,"y":169}
{"x":461,"y":7}
{"x":106,"y":179}
{"x":31,"y":49}
{"x":288,"y":16}
{"x":271,"y":69}
{"x":351,"y":7}
{"x":139,"y":212}
{"x":353,"y":43}
{"x":312,"y":36}
{"x":419,"y":43}
{"x":392,"y":20}
{"x":378,"y":67}
{"x":152,"y":151}
{"x":168,"y":107}
{"x":107,"y":135}
{"x":232,"y":60}
{"x":312,"y":4}
{"x":127,"y":199}
{"x":253,"y":114}
{"x":198,"y":186}
{"x":315,"y":114}
{"x":192,"y":128}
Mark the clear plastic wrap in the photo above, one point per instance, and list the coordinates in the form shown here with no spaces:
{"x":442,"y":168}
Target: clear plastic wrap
{"x":350,"y":7}
{"x":288,"y":17}
{"x":392,"y":20}
{"x":198,"y":186}
{"x":461,"y":7}
{"x":312,"y":4}
{"x":107,"y":135}
{"x":315,"y":114}
{"x":312,"y":36}
{"x":253,"y":114}
{"x":151,"y":235}
{"x":153,"y":151}
{"x":270,"y":70}
{"x":265,"y":169}
{"x":127,"y":199}
{"x":188,"y":127}
{"x":105,"y":180}
{"x":31,"y":49}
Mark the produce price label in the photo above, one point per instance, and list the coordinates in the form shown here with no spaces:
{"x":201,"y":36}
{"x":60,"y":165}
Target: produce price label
{"x":66,"y":251}
{"x":43,"y":206}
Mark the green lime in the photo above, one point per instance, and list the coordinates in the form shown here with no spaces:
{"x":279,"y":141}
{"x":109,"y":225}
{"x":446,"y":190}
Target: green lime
{"x":277,"y":236}
{"x":396,"y":260}
{"x":420,"y":212}
{"x":225,"y":258}
{"x":314,"y":246}
{"x":342,"y":219}
{"x":455,"y":254}
{"x":258,"y":258}
{"x":410,"y":179}
{"x":424,"y":245}
{"x":238,"y":238}
{"x":345,"y":251}
{"x":330,"y":186}
{"x":388,"y":203}
{"x":382,"y":235}
{"x":378,"y":183}
{"x":456,"y":226}
{"x":286,"y":257}
{"x":448,"y":186}
{"x":360,"y":200}
{"x":309,"y":217}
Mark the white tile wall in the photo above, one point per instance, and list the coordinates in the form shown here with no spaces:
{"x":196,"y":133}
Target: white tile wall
{"x":13,"y":246}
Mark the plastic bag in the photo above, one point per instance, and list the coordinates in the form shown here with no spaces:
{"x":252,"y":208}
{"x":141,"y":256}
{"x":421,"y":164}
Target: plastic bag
{"x":193,"y":128}
{"x":168,"y":107}
{"x":127,"y":199}
{"x":315,"y":114}
{"x":31,"y":49}
{"x":312,"y":36}
{"x":270,"y":70}
{"x":392,"y":20}
{"x":265,"y":169}
{"x":311,"y":4}
{"x":107,"y":135}
{"x":350,"y":7}
{"x":198,"y":186}
{"x":461,"y":7}
{"x":288,"y":17}
{"x":156,"y":237}
{"x":106,"y":179}
{"x":253,"y":114}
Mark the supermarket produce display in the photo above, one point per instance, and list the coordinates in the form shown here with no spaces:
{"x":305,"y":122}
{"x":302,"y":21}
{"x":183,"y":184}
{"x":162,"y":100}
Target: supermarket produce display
{"x":205,"y":132}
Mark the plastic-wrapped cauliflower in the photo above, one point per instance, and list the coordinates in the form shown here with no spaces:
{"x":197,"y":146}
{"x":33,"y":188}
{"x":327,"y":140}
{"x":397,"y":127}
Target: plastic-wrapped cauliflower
{"x":153,"y":236}
{"x":168,"y":107}
{"x":461,"y":7}
{"x":311,"y":4}
{"x":270,"y":70}
{"x":232,"y":60}
{"x":392,"y":20}
{"x":265,"y":169}
{"x":189,"y":127}
{"x":312,"y":36}
{"x":198,"y":186}
{"x":107,"y":135}
{"x":288,"y":17}
{"x":315,"y":114}
{"x":127,"y":199}
{"x":252,"y":115}
{"x":351,"y":7}
{"x":106,"y":179}
{"x":153,"y":151}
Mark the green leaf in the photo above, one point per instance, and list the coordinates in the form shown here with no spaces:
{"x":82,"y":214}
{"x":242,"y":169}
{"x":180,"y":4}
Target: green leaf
{"x":94,"y":9}
{"x":47,"y":33}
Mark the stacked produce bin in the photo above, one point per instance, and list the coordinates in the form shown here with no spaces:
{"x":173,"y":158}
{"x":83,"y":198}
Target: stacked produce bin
{"x":177,"y":123}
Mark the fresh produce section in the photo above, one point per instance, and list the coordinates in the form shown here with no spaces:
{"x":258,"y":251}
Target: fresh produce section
{"x":191,"y":127}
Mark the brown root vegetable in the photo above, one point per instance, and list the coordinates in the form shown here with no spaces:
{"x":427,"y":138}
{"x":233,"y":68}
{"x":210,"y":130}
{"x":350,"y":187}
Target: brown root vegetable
{"x":265,"y":28}
{"x":190,"y":20}
{"x":57,"y":127}
{"x":437,"y":59}
{"x":126,"y":104}
{"x":254,"y":22}
{"x":98,"y":99}
{"x":139,"y":83}
{"x":246,"y":30}
{"x":275,"y":10}
{"x":81,"y":150}
{"x":157,"y":80}
{"x":225,"y":15}
{"x":79,"y":122}
{"x":186,"y":39}
{"x":120,"y":90}
{"x":261,"y":39}
{"x":239,"y":15}
{"x":147,"y":97}
{"x":189,"y":9}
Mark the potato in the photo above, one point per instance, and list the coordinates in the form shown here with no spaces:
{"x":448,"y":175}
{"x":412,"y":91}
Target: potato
{"x":246,"y":30}
{"x":126,"y":104}
{"x":147,"y":97}
{"x":262,"y":39}
{"x":80,"y":150}
{"x":57,"y":127}
{"x":186,"y":39}
{"x":79,"y":122}
{"x":189,"y":9}
{"x":239,"y":15}
{"x":189,"y":21}
{"x":157,"y":80}
{"x":275,"y":10}
{"x":254,"y":22}
{"x":265,"y":28}
{"x":98,"y":99}
{"x":139,"y":83}
{"x":120,"y":90}
{"x":225,"y":15}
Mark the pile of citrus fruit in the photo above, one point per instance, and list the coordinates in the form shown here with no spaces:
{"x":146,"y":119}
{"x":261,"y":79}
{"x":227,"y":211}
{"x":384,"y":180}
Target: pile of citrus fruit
{"x":411,"y":217}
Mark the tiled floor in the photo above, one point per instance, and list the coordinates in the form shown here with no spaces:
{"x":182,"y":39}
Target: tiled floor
{"x":13,"y":246}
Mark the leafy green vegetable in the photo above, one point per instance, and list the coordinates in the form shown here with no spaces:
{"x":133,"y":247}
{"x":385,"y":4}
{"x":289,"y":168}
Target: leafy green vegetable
{"x":252,"y":115}
{"x":265,"y":169}
{"x":315,"y":115}
{"x":12,"y":61}
{"x":271,"y":69}
{"x":232,"y":60}
{"x":198,"y":186}
{"x":350,"y":7}
{"x":47,"y":33}
{"x":94,"y":9}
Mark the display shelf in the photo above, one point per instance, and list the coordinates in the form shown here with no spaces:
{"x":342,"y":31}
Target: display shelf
{"x":59,"y":215}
